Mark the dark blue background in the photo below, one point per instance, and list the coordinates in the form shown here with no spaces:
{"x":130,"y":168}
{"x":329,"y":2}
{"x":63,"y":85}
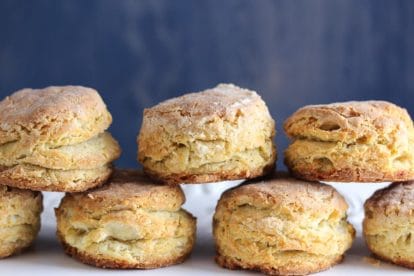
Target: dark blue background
{"x":137,"y":53}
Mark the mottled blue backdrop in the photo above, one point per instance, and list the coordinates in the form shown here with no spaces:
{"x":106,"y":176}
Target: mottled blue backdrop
{"x":137,"y":53}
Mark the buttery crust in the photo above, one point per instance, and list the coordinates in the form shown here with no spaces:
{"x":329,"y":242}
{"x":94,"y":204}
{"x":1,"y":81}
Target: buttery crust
{"x":55,"y":116}
{"x":222,"y":133}
{"x":43,"y":179}
{"x":367,"y":141}
{"x":388,"y":223}
{"x":128,"y":223}
{"x":281,"y":226}
{"x":19,"y":219}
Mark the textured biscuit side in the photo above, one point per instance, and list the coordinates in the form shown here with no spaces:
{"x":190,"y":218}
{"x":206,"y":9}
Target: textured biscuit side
{"x":93,"y":153}
{"x":390,"y":238}
{"x":123,"y":234}
{"x":55,"y":115}
{"x":309,"y":264}
{"x":19,"y":219}
{"x":397,"y":261}
{"x":231,"y":174}
{"x":42,"y":179}
{"x":335,"y":161}
{"x":281,"y":226}
{"x":140,"y":253}
{"x":388,"y":223}
{"x":202,"y":136}
{"x":99,"y":261}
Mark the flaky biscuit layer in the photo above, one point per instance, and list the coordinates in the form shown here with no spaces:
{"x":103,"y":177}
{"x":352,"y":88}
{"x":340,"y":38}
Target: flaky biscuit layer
{"x":43,"y":179}
{"x":93,"y":153}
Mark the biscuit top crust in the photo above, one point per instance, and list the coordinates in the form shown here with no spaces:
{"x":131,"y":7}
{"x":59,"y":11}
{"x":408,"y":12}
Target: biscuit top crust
{"x":75,"y":112}
{"x":224,"y":101}
{"x":355,"y":121}
{"x":133,"y":188}
{"x":396,"y":199}
{"x":283,"y":190}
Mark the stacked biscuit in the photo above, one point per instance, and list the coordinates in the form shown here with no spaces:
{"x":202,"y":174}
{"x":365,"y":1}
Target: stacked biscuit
{"x":55,"y":139}
{"x":51,"y":139}
{"x":371,"y":141}
{"x":134,"y":222}
{"x":273,"y":223}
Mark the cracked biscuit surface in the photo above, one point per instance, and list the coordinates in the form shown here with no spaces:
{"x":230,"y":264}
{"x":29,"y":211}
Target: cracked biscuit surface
{"x":127,"y":223}
{"x":55,"y":115}
{"x":54,"y":139}
{"x":219,"y":134}
{"x":388,"y":225}
{"x":281,"y":226}
{"x":19,"y":219}
{"x":367,"y":141}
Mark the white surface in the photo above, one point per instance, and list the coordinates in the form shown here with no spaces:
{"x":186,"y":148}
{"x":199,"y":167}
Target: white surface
{"x":47,"y":258}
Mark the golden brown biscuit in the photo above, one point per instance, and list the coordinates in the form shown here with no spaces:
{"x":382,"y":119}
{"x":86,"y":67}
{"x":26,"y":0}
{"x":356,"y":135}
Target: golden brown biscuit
{"x":54,"y":139}
{"x":128,"y":223}
{"x":389,"y":223}
{"x":368,"y":141}
{"x":219,"y":134}
{"x":19,"y":219}
{"x":281,"y":226}
{"x":55,"y":115}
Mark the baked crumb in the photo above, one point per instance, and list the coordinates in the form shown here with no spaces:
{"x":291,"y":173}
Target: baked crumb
{"x":372,"y":261}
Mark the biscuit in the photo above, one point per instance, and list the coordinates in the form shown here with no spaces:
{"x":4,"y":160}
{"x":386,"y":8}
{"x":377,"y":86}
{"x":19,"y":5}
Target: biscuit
{"x":127,"y":223}
{"x":368,"y":141}
{"x":19,"y":219}
{"x":54,"y":139}
{"x":389,"y":223}
{"x":55,"y":116}
{"x":219,"y":134}
{"x":281,"y":226}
